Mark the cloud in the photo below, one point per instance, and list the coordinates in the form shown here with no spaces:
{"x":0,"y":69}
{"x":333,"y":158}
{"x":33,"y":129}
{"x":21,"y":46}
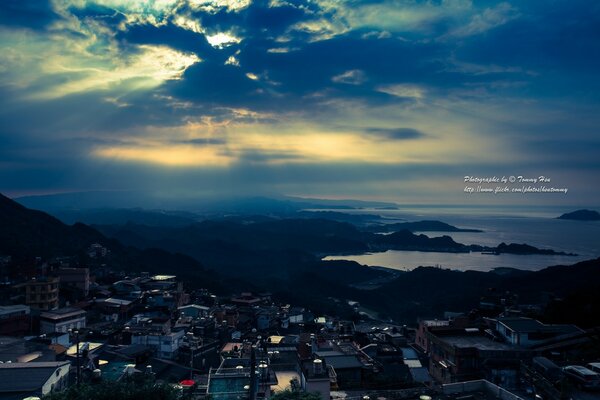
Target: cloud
{"x":288,"y":95}
{"x":403,"y":90}
{"x":488,"y":19}
{"x":352,"y":77}
{"x":36,"y":15}
{"x":396,"y":133}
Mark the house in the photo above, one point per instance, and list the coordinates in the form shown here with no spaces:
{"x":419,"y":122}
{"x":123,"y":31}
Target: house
{"x":246,"y":299}
{"x":114,"y":308}
{"x":62,"y":320}
{"x":164,"y":345}
{"x":458,"y":355}
{"x":15,"y":320}
{"x":21,"y":380}
{"x":529,"y":332}
{"x":194,"y":311}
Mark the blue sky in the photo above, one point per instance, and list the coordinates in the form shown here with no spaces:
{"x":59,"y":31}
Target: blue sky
{"x":390,"y":100}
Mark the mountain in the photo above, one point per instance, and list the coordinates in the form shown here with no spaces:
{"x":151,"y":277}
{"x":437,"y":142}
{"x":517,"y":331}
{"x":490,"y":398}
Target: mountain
{"x":582,"y":215}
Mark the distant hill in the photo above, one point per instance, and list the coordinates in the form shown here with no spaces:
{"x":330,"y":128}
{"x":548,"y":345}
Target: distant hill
{"x":420,"y":226}
{"x":127,"y":215}
{"x":209,"y":206}
{"x":582,"y":215}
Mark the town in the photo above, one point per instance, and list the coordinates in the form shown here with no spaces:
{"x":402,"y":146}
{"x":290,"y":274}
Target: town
{"x":63,"y":324}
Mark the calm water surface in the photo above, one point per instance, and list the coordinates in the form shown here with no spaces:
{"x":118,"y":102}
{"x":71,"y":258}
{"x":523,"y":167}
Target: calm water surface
{"x":540,"y":229}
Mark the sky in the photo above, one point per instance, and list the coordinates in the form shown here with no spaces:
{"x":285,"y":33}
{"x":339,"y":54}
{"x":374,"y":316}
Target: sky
{"x":395,"y":100}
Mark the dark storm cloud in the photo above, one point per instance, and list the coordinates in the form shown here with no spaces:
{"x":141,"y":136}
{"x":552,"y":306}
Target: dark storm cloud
{"x":27,"y":14}
{"x":258,"y":19}
{"x":215,"y":83}
{"x":172,"y":36}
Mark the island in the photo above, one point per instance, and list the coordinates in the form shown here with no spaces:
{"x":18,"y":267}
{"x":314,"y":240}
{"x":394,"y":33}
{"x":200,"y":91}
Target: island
{"x":582,"y":215}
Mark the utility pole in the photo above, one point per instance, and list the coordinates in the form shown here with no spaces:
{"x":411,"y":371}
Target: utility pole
{"x":76,"y":333}
{"x":253,"y":372}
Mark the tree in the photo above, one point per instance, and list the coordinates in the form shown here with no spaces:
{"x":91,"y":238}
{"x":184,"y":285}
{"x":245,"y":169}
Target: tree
{"x":124,"y":390}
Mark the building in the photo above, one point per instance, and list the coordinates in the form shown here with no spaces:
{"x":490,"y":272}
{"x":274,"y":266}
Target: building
{"x":62,"y":320}
{"x":41,"y":293}
{"x":19,"y":350}
{"x":317,"y":377}
{"x":114,"y":309}
{"x":164,"y":345}
{"x":424,"y":326}
{"x":96,"y":250}
{"x":75,"y":281}
{"x":15,"y":320}
{"x":246,"y":299}
{"x":475,"y":390}
{"x":458,"y":355}
{"x":528,"y":332}
{"x":21,"y":380}
{"x":241,"y":378}
{"x":194,"y":311}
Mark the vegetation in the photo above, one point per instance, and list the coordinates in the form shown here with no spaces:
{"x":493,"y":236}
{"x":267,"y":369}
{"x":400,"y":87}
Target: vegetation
{"x":295,"y":395}
{"x":124,"y":390}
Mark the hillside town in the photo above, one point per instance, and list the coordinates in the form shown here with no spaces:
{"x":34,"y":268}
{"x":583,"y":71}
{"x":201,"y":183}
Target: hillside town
{"x":64,"y":324}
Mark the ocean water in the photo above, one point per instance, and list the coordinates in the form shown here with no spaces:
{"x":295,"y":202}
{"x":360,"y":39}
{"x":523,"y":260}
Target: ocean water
{"x":536,"y":227}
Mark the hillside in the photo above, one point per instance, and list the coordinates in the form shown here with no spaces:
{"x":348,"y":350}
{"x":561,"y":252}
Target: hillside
{"x":26,"y":233}
{"x":35,"y":233}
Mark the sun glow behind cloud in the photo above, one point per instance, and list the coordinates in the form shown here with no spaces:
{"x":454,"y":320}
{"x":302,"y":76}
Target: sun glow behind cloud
{"x":281,"y":86}
{"x":221,"y":145}
{"x":149,"y":68}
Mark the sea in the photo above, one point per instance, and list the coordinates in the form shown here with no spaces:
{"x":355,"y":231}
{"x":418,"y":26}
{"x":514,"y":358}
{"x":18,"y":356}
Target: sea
{"x":536,"y":226}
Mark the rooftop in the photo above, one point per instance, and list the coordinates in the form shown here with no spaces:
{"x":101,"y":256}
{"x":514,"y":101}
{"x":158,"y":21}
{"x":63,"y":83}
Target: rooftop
{"x":19,"y":308}
{"x":62,"y":313}
{"x":226,"y":387}
{"x":522,"y":324}
{"x":476,"y":341}
{"x":23,"y":377}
